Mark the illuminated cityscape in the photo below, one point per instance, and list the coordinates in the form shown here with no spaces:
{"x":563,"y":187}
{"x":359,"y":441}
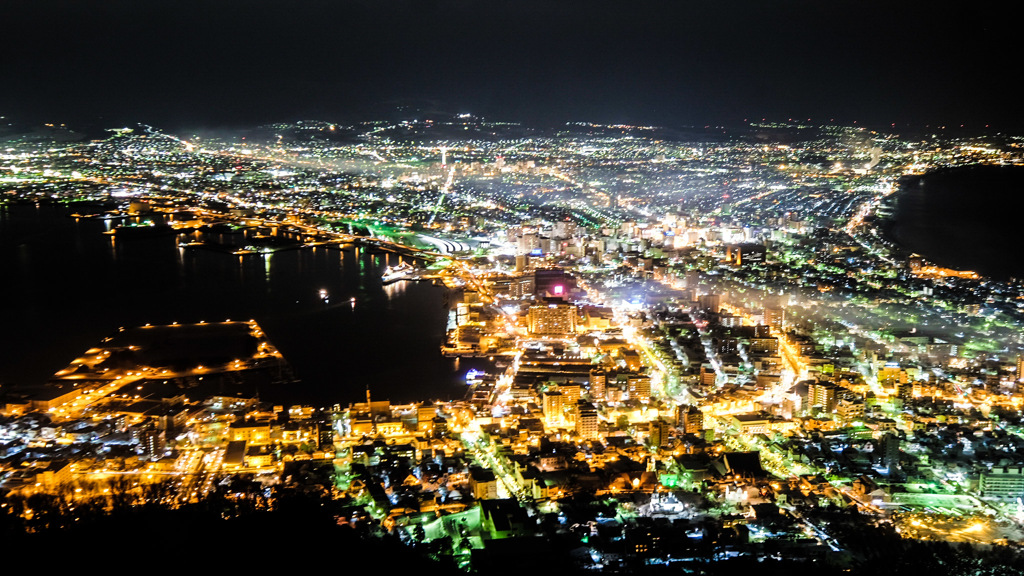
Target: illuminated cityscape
{"x":409,"y":286}
{"x":691,"y":349}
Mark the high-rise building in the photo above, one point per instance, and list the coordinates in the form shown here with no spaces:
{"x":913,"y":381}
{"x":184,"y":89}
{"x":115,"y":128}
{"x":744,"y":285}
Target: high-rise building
{"x":553,"y":320}
{"x":640,"y":387}
{"x":425,"y":414}
{"x":527,"y":243}
{"x":712,"y":302}
{"x":764,"y":345}
{"x":153,"y":443}
{"x":553,"y":408}
{"x":774,"y":317}
{"x":658,"y":432}
{"x":598,"y":383}
{"x":690,"y":419}
{"x":891,"y":452}
{"x":522,"y":260}
{"x":822,"y":394}
{"x":904,"y":390}
{"x":586,"y":420}
{"x":571,"y":393}
{"x":707,"y":377}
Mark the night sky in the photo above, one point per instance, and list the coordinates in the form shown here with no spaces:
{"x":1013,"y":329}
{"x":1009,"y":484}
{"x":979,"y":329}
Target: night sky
{"x":213,"y":63}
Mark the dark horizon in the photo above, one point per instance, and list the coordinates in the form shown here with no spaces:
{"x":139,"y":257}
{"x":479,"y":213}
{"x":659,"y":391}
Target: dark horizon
{"x":232,"y":63}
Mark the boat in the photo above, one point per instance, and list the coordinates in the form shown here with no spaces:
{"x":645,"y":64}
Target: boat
{"x":396,"y":273}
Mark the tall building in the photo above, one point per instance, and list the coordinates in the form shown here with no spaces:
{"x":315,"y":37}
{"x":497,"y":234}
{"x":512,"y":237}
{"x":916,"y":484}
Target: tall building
{"x":658,"y":432}
{"x":586,"y":420}
{"x":774,"y":318}
{"x":482,"y":483}
{"x":707,"y":377}
{"x":598,"y":383}
{"x":891,"y":452}
{"x":425,"y":414}
{"x":522,"y":260}
{"x":571,"y":393}
{"x":764,"y":345}
{"x":553,"y":320}
{"x":905,"y":390}
{"x":822,"y":394}
{"x":153,"y":443}
{"x":712,"y":302}
{"x":690,"y":419}
{"x":640,"y":387}
{"x":527,"y":243}
{"x":553,"y":408}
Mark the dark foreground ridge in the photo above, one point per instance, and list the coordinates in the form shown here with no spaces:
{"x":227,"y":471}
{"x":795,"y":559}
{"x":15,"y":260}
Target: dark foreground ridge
{"x":236,"y":529}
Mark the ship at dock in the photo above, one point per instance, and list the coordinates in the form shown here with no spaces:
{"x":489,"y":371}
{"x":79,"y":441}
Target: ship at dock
{"x":403,"y":271}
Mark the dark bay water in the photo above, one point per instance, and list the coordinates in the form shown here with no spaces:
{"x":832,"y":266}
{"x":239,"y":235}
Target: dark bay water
{"x":64,"y":286}
{"x":965,"y":218}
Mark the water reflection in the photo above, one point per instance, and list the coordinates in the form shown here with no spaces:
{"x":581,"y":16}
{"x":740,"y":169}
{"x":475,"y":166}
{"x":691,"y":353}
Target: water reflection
{"x":69,"y":299}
